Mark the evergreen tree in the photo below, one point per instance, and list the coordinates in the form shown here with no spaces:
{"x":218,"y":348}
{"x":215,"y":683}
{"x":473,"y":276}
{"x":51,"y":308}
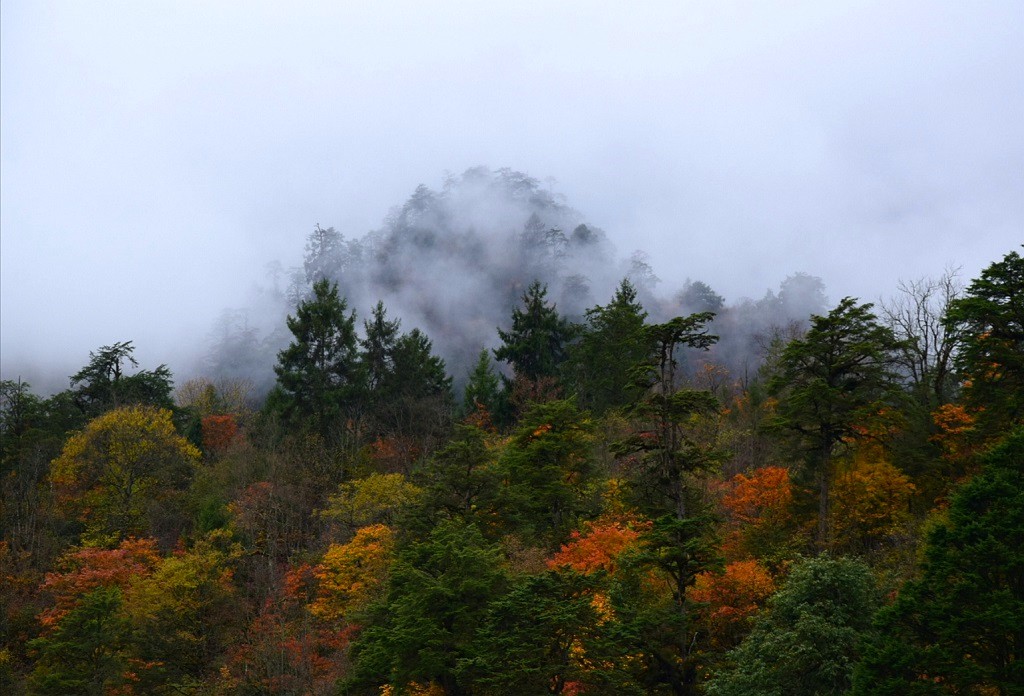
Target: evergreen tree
{"x":991,"y":356}
{"x":537,"y":343}
{"x":85,"y":654}
{"x":103,"y":384}
{"x":378,"y":347}
{"x":483,"y":388}
{"x":318,"y":375}
{"x":827,"y":382}
{"x":417,"y":396}
{"x":547,"y":468}
{"x":959,"y":627}
{"x":805,"y":642}
{"x":439,"y":594}
{"x":612,"y":343}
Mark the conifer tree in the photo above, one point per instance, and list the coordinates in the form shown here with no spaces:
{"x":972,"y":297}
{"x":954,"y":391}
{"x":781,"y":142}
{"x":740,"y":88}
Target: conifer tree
{"x":318,"y":374}
{"x":959,"y":627}
{"x":828,"y":381}
{"x":537,"y":343}
{"x":613,"y":342}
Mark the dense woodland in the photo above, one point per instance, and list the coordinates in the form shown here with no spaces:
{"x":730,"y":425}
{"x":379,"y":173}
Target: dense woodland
{"x":610,"y":502}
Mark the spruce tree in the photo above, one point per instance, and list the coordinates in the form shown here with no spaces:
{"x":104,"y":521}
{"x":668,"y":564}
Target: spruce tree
{"x":318,"y":374}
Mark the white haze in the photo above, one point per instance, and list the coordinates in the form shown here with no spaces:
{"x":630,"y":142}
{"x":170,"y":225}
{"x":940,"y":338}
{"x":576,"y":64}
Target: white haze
{"x":155,"y":156}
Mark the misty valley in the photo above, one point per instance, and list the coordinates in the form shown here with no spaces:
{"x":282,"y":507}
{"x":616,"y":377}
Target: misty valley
{"x":478,"y":451}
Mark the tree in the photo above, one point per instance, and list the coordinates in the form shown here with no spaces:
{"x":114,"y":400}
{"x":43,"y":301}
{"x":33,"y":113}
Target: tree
{"x":378,"y":347}
{"x":318,"y":378}
{"x":927,"y":342}
{"x":612,"y":343}
{"x":537,"y":343}
{"x":483,"y":387}
{"x":759,"y":513}
{"x":103,"y":384}
{"x":325,"y":254}
{"x":546,"y":469}
{"x":439,"y":594}
{"x":870,"y":506}
{"x":352,"y":575}
{"x":85,"y":654}
{"x":376,"y":499}
{"x":828,"y":382}
{"x":729,"y":600}
{"x":959,"y":627}
{"x":182,"y":615}
{"x":805,"y":642}
{"x":84,"y":570}
{"x":419,"y":392}
{"x":991,"y":355}
{"x":125,"y":474}
{"x":697,"y":296}
{"x":540,"y":638}
{"x":666,"y":457}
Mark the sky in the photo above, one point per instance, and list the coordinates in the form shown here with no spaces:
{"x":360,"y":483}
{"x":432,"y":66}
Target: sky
{"x":155,"y":156}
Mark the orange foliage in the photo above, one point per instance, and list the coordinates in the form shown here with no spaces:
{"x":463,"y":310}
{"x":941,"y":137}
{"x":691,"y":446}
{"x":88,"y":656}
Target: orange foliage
{"x":758,"y":510}
{"x":956,"y":429}
{"x":218,"y":432}
{"x":597,"y":548}
{"x":731,"y":599}
{"x":765,"y":494}
{"x":90,"y":568}
{"x":352,"y":575}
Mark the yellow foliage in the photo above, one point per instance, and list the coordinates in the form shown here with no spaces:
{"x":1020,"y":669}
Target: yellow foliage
{"x":109,"y":473}
{"x":870,"y":502}
{"x":352,"y":575}
{"x":371,"y":500}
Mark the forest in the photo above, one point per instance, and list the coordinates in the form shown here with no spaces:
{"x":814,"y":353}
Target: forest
{"x":567,"y":493}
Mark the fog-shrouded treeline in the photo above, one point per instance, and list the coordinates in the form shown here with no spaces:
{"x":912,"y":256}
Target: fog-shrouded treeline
{"x":454,"y":263}
{"x":625,"y":492}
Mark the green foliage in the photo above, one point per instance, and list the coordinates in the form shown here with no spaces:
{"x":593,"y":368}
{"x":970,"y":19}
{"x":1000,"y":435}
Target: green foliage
{"x":440,"y":591}
{"x":805,"y":641}
{"x":182,"y":615}
{"x":418,"y":396}
{"x":483,"y":388}
{"x":462,"y":479}
{"x":545,"y":634}
{"x":84,"y":654}
{"x":547,"y":470}
{"x":991,"y":352}
{"x":829,"y":382}
{"x":612,"y":344}
{"x":538,"y":342}
{"x":662,"y":455}
{"x":102,"y":384}
{"x":318,"y":376}
{"x":959,"y":628}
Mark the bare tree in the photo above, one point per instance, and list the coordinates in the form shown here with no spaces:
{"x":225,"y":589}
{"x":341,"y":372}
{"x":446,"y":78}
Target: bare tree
{"x":915,"y":315}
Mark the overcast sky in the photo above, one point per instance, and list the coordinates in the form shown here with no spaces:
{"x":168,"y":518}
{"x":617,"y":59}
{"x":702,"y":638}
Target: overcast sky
{"x":155,"y":155}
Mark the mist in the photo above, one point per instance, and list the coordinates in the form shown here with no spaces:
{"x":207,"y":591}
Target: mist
{"x":154,"y":159}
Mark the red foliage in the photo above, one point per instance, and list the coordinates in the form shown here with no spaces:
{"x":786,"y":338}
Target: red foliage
{"x":91,"y":568}
{"x":219,"y":432}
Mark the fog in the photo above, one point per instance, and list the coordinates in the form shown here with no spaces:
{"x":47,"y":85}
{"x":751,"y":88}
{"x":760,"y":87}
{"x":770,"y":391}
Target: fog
{"x":155,"y":157}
